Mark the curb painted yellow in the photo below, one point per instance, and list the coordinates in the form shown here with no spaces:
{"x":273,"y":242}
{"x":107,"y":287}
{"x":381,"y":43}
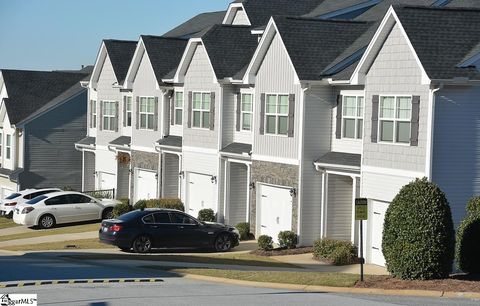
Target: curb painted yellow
{"x":80,"y":281}
{"x":327,"y":289}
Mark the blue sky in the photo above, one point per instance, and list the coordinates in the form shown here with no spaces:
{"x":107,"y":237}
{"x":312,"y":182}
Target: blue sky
{"x":64,"y":34}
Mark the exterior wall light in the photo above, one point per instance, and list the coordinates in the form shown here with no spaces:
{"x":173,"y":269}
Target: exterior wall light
{"x":213,"y":179}
{"x":293,"y":192}
{"x":251,"y":185}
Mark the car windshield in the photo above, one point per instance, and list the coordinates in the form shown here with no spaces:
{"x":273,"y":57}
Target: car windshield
{"x":13,"y":196}
{"x":35,"y":200}
{"x":129,"y":216}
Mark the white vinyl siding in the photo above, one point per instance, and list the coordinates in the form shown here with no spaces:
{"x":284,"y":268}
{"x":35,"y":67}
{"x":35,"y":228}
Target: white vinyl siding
{"x":8,"y":147}
{"x":147,"y":113}
{"x":1,"y":143}
{"x":201,"y":110}
{"x":109,"y":116}
{"x":178,"y":108}
{"x":352,"y":117}
{"x":94,"y":113}
{"x":247,"y":112}
{"x":394,"y":116}
{"x":276,"y":114}
{"x":128,"y":111}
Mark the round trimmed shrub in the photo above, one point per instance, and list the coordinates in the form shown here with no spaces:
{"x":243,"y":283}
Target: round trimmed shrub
{"x":473,"y":205}
{"x":287,"y":239}
{"x":207,"y":215}
{"x":467,"y":251}
{"x":244,"y":229}
{"x":122,"y":208}
{"x":418,"y":235}
{"x":338,"y":252}
{"x":141,"y":204}
{"x":265,"y":243}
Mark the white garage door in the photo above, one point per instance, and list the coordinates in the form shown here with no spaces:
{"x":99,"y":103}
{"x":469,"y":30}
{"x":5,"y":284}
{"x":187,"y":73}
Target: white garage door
{"x":146,"y":185}
{"x":378,"y":216}
{"x":106,"y":181}
{"x":201,"y":193}
{"x":275,"y":210}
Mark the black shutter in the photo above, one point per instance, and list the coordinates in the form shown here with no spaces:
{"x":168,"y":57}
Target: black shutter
{"x":338,"y":131}
{"x":116,"y":115}
{"x":291,"y":115}
{"x":239,"y":112}
{"x":124,"y":111}
{"x":262,"y":114}
{"x":155,"y":115}
{"x":189,"y":119}
{"x":173,"y":100}
{"x":91,"y":113}
{"x":100,"y":123}
{"x":212,"y":111}
{"x":415,"y":121}
{"x":137,"y":113}
{"x":375,"y":100}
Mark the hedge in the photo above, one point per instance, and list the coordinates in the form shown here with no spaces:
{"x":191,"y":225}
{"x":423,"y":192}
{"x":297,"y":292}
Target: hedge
{"x":207,"y":215}
{"x":467,"y":251}
{"x":169,"y":203}
{"x":338,"y":252}
{"x":122,"y":208}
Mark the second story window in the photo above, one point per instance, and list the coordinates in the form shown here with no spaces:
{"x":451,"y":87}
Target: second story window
{"x":147,"y":113}
{"x":276,"y":114}
{"x":93,"y":113}
{"x":246,"y":112}
{"x":201,"y":110}
{"x":128,"y":111}
{"x":178,"y":107}
{"x":352,"y":117}
{"x":8,"y":147}
{"x":394,"y":119}
{"x":109,"y":116}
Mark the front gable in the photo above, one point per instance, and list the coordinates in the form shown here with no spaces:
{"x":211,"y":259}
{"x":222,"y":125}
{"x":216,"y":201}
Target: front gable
{"x":144,"y":76}
{"x":106,"y":77}
{"x":236,"y":15}
{"x":140,"y":67}
{"x":102,"y":63}
{"x":195,"y":63}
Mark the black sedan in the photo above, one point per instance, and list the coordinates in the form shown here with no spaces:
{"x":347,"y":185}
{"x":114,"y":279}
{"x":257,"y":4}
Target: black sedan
{"x":142,"y":230}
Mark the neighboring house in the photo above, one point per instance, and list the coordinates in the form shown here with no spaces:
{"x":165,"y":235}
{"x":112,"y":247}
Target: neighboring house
{"x":109,"y":121}
{"x":42,"y":115}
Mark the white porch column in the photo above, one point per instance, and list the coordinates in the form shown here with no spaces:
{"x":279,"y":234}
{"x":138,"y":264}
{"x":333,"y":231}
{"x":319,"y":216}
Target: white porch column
{"x":354,"y":195}
{"x":226,"y":194}
{"x":247,"y":218}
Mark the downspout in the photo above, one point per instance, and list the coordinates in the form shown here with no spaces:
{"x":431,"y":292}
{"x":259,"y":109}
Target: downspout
{"x":430,"y":131}
{"x":300,"y":164}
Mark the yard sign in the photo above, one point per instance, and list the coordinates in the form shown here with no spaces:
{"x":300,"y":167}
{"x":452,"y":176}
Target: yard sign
{"x":361,"y":209}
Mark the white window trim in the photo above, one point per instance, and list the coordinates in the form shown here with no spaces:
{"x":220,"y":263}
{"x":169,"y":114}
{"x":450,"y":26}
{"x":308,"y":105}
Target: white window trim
{"x":395,"y":120}
{"x":356,"y":117}
{"x":245,"y":112}
{"x":276,"y":114}
{"x":1,"y":145}
{"x":176,"y":108}
{"x":200,"y":110}
{"x":8,"y":147}
{"x":93,"y":112}
{"x":112,"y":117}
{"x":140,"y":113}
{"x":129,"y":111}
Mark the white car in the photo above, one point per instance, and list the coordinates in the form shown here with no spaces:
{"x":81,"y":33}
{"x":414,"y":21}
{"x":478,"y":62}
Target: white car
{"x":8,"y":204}
{"x":49,"y":209}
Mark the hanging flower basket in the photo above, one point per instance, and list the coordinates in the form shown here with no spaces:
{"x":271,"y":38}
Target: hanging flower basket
{"x":123,"y":158}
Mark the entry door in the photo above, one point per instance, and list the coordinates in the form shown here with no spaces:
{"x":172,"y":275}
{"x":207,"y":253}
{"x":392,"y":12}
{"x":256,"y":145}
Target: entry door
{"x":275,"y":210}
{"x":146,"y":185}
{"x":201,"y":193}
{"x":107,"y":181}
{"x":378,"y":216}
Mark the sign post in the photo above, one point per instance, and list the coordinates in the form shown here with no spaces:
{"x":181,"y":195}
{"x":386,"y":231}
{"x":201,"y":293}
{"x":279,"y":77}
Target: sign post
{"x":361,"y":213}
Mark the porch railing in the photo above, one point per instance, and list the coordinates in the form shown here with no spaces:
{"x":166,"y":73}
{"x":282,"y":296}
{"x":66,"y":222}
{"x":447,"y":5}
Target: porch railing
{"x":101,"y":194}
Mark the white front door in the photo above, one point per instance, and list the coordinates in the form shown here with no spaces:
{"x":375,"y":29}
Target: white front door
{"x":275,"y":210}
{"x":146,"y":185}
{"x":201,"y":193}
{"x":107,"y":181}
{"x":377,"y":218}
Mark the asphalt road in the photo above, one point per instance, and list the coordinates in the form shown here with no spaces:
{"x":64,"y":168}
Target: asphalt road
{"x":174,"y":290}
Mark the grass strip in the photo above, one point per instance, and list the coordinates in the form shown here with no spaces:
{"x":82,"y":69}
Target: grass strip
{"x":6,"y":223}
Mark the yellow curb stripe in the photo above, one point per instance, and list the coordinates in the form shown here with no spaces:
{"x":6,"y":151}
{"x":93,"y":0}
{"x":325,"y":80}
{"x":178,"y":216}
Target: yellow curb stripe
{"x":122,"y":280}
{"x":81,"y":281}
{"x":20,"y":284}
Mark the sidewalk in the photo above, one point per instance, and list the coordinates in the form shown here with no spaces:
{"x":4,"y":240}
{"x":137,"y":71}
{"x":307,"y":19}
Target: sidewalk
{"x":14,"y":230}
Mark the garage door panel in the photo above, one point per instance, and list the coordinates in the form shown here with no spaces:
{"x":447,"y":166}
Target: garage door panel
{"x":201,"y":193}
{"x":377,"y":218}
{"x":275,"y":210}
{"x":107,"y":181}
{"x":146,"y":185}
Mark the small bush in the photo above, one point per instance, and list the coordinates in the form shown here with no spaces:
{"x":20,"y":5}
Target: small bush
{"x":168,"y":203}
{"x":122,"y":208}
{"x":337,"y":252}
{"x":206,"y":215}
{"x":244,"y":229}
{"x":265,"y":243}
{"x":418,"y":235}
{"x":467,"y":251}
{"x":473,"y":205}
{"x":287,"y":239}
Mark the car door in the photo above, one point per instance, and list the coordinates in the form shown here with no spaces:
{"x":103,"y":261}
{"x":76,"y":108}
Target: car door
{"x":61,"y":208}
{"x":86,"y":207}
{"x":188,"y":232}
{"x":163,"y":230}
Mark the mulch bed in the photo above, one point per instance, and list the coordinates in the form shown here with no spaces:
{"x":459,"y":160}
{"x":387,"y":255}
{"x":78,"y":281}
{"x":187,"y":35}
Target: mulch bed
{"x":281,"y":251}
{"x":458,"y":283}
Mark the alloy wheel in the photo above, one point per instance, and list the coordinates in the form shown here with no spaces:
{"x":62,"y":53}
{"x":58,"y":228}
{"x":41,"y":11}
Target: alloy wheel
{"x":47,"y":221}
{"x":142,"y":244}
{"x":223,"y":243}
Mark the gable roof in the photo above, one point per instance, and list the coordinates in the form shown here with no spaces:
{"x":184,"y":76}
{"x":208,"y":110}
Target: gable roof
{"x":196,"y":24}
{"x":463,"y":3}
{"x":29,"y":91}
{"x":164,"y":53}
{"x":120,"y":53}
{"x":330,"y":6}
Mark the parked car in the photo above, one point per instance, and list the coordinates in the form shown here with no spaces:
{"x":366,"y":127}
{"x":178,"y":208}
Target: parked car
{"x":8,"y":204}
{"x":45,"y":211}
{"x":142,"y":230}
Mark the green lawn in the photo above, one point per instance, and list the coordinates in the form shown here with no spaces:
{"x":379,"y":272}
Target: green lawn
{"x":296,"y":278}
{"x":221,"y":259}
{"x":6,"y":223}
{"x":82,"y":244}
{"x":63,"y":229}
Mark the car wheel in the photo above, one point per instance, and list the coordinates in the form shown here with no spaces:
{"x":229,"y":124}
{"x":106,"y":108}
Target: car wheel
{"x":46,"y":221}
{"x":142,"y":244}
{"x":223,"y":243}
{"x":9,"y":216}
{"x":107,"y":214}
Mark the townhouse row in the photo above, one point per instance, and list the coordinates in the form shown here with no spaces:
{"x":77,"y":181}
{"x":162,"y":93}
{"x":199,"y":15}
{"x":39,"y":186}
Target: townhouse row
{"x":283,"y":121}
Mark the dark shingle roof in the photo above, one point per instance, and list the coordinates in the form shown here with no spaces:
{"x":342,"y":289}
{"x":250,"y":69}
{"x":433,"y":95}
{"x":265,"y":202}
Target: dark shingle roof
{"x":29,"y":91}
{"x":87,"y":141}
{"x":171,"y":141}
{"x":313,"y":44}
{"x":229,"y":48}
{"x":196,"y":24}
{"x":164,"y":54}
{"x":330,"y":6}
{"x":120,"y":53}
{"x":442,"y":38}
{"x":5,"y":172}
{"x":377,"y":12}
{"x":463,"y":3}
{"x":122,"y":141}
{"x":238,"y":148}
{"x":340,"y":159}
